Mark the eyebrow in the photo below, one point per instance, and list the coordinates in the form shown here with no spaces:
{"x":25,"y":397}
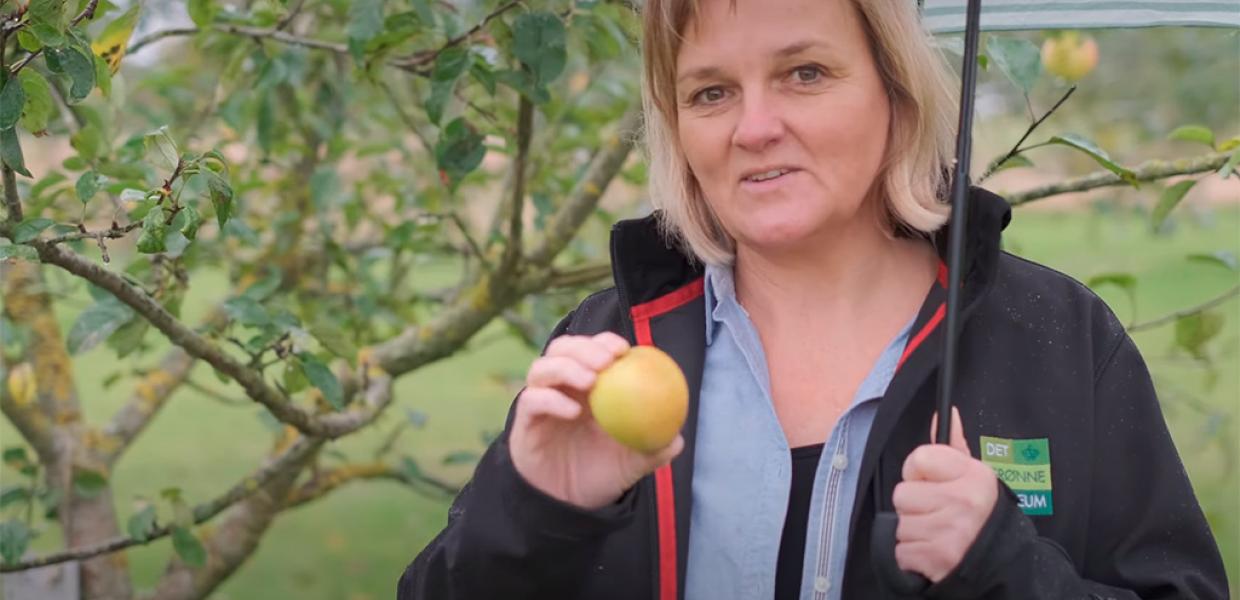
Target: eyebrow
{"x":715,"y":72}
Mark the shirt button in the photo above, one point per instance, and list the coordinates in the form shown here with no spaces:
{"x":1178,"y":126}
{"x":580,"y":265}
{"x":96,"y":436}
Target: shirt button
{"x":840,"y":462}
{"x":821,"y":585}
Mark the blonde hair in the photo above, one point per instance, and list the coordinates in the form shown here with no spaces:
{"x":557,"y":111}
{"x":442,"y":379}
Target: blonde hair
{"x":913,"y":175}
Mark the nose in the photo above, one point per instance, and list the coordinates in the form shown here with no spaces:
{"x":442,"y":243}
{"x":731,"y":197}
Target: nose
{"x":760,"y":125}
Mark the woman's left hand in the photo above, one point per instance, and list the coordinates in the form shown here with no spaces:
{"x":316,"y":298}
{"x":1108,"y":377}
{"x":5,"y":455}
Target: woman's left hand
{"x":944,"y":500}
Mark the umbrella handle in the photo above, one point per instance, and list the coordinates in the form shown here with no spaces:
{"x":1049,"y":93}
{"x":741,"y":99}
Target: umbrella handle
{"x":883,"y":556}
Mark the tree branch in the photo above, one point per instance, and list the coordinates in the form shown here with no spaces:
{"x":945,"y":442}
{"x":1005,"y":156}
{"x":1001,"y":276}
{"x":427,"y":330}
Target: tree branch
{"x":1016,"y":149}
{"x":330,"y":425}
{"x":426,"y":57}
{"x":525,"y":125}
{"x":588,"y":274}
{"x":288,"y":460}
{"x":1187,"y":312}
{"x":230,"y":541}
{"x":1147,"y":171}
{"x":330,"y":480}
{"x":12,"y":203}
{"x":606,"y":163}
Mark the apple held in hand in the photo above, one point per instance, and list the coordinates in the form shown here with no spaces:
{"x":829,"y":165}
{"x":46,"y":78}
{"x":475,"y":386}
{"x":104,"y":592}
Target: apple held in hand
{"x":641,"y":399}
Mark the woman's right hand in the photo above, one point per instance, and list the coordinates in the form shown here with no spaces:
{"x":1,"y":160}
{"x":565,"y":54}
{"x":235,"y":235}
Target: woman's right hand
{"x":555,"y":443}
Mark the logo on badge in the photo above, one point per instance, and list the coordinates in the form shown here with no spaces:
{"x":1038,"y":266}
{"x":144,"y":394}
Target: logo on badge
{"x":1025,"y":466}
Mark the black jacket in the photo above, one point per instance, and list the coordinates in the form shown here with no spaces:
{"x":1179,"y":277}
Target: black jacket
{"x":1041,"y":357}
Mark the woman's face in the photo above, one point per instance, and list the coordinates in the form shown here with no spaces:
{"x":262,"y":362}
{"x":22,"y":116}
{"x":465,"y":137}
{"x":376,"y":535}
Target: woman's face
{"x":782,"y":117}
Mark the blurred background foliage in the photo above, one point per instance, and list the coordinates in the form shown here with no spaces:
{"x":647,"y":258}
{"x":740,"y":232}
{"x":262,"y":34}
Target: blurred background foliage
{"x":321,"y":193}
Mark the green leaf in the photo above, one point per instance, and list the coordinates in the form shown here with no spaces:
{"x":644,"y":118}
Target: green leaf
{"x":11,"y":152}
{"x":201,"y":12}
{"x":539,"y":43}
{"x":18,"y":251}
{"x":47,"y":36}
{"x":161,"y":149}
{"x":461,"y":457}
{"x":88,"y":483}
{"x":103,"y":75}
{"x":154,"y":229}
{"x":87,"y":186}
{"x":87,"y":141}
{"x":458,"y":152}
{"x":14,"y":537}
{"x":128,"y":338}
{"x":449,"y":66}
{"x":1222,"y":258}
{"x":12,"y":99}
{"x":49,"y":12}
{"x":30,"y":229}
{"x":1018,"y":58}
{"x":365,"y":22}
{"x":525,"y":84}
{"x":221,"y":196}
{"x":246,"y":311}
{"x":1100,"y":156}
{"x":14,"y":495}
{"x":79,"y":67}
{"x":29,"y":41}
{"x":96,"y":324}
{"x":333,"y":337}
{"x":321,"y":377}
{"x":1193,"y":133}
{"x":188,"y":547}
{"x":187,"y":221}
{"x":1228,"y":167}
{"x":15,"y":457}
{"x":39,"y":106}
{"x":1013,"y":162}
{"x":1123,"y":281}
{"x":1171,"y":198}
{"x":1192,"y":332}
{"x":142,"y":523}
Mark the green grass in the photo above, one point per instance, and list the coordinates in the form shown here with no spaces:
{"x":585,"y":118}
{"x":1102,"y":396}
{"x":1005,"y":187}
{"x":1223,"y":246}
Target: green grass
{"x":354,"y":544}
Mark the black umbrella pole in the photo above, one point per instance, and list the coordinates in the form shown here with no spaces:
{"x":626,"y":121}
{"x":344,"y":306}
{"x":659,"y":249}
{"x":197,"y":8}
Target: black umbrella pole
{"x":883,"y":534}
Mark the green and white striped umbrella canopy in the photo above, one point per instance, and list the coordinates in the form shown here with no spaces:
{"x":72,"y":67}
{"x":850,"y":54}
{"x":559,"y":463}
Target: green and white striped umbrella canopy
{"x":947,"y":16}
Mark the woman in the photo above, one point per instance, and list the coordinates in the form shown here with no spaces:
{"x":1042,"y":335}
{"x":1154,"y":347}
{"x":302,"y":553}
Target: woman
{"x":797,"y":155}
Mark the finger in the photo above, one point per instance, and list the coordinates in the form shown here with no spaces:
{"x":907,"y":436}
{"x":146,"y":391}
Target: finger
{"x":666,"y":454}
{"x":934,"y":462}
{"x":542,"y":401}
{"x":613,"y":342}
{"x":957,"y":439}
{"x":916,"y":498}
{"x":583,"y":350}
{"x":560,"y":371}
{"x":921,"y":557}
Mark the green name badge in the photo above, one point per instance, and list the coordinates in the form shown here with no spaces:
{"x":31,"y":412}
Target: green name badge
{"x":1025,"y":466}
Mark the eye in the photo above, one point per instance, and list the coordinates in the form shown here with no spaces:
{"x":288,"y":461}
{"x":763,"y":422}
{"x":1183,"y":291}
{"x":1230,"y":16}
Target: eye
{"x":710,"y":95}
{"x":807,"y":73}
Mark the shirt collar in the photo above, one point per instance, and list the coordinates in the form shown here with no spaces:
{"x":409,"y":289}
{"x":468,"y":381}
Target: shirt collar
{"x":720,"y":291}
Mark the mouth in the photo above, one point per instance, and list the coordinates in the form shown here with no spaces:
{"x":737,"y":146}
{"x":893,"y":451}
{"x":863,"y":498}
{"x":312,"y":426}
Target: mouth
{"x":767,"y":174}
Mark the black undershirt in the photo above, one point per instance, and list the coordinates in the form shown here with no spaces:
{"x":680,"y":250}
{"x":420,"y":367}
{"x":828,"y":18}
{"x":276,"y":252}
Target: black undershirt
{"x":792,"y":544}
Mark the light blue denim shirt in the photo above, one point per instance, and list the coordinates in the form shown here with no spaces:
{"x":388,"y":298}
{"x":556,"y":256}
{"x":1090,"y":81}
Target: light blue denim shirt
{"x":742,"y":468}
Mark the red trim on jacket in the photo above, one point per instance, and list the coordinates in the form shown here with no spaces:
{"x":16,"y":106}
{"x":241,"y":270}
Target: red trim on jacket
{"x":930,"y":325}
{"x":665,"y":496}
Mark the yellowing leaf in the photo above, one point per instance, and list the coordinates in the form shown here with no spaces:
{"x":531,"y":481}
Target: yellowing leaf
{"x":114,"y":39}
{"x":22,"y":384}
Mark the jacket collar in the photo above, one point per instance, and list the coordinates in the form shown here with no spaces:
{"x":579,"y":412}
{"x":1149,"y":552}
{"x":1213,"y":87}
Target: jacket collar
{"x":646,"y":265}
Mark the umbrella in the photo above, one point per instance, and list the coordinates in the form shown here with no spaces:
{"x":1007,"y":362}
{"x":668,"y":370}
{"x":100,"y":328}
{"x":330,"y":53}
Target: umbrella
{"x":945,"y":16}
